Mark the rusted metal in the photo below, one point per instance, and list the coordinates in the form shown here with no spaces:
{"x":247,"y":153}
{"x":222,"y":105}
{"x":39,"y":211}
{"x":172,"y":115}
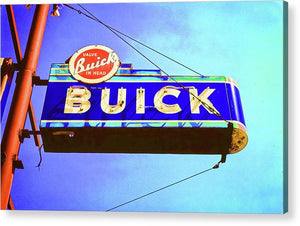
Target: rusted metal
{"x":21,"y":100}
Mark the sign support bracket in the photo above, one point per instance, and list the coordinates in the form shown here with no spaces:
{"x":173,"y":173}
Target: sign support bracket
{"x":25,"y":133}
{"x":36,"y":80}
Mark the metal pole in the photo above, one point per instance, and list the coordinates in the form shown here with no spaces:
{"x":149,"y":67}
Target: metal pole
{"x":18,"y":52}
{"x":14,"y":33}
{"x":20,"y":103}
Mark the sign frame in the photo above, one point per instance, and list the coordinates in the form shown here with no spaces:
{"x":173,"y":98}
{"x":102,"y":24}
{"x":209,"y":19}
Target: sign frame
{"x":116,"y":133}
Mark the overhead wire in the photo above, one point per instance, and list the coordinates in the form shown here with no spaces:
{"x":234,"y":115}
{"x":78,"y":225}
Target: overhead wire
{"x":114,"y":31}
{"x":162,"y":188}
{"x":131,"y":38}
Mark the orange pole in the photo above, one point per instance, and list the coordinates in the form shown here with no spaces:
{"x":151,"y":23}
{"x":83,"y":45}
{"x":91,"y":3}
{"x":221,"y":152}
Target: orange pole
{"x":17,"y":115}
{"x":18,"y":52}
{"x":14,"y":33}
{"x":3,"y":85}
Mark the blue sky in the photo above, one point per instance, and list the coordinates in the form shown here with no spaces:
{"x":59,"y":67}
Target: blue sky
{"x":242,"y":40}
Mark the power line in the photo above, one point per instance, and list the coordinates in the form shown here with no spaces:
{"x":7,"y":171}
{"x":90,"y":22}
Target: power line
{"x":93,"y":17}
{"x":170,"y":185}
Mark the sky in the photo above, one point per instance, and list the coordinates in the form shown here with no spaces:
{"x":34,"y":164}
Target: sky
{"x":241,"y":40}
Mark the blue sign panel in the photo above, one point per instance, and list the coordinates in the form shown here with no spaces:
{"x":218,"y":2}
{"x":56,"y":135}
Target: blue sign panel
{"x":142,"y":99}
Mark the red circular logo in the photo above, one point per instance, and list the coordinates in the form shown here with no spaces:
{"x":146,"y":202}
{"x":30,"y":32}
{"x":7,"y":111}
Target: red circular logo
{"x":94,"y":64}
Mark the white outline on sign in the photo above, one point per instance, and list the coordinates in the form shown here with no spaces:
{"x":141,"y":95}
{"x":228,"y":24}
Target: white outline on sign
{"x":99,"y":80}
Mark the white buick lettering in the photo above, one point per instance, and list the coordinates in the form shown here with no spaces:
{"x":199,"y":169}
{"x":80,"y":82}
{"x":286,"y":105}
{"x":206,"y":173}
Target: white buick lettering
{"x":77,"y":100}
{"x":81,"y":66}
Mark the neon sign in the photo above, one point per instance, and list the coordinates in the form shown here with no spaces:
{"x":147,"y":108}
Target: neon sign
{"x":144,"y":111}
